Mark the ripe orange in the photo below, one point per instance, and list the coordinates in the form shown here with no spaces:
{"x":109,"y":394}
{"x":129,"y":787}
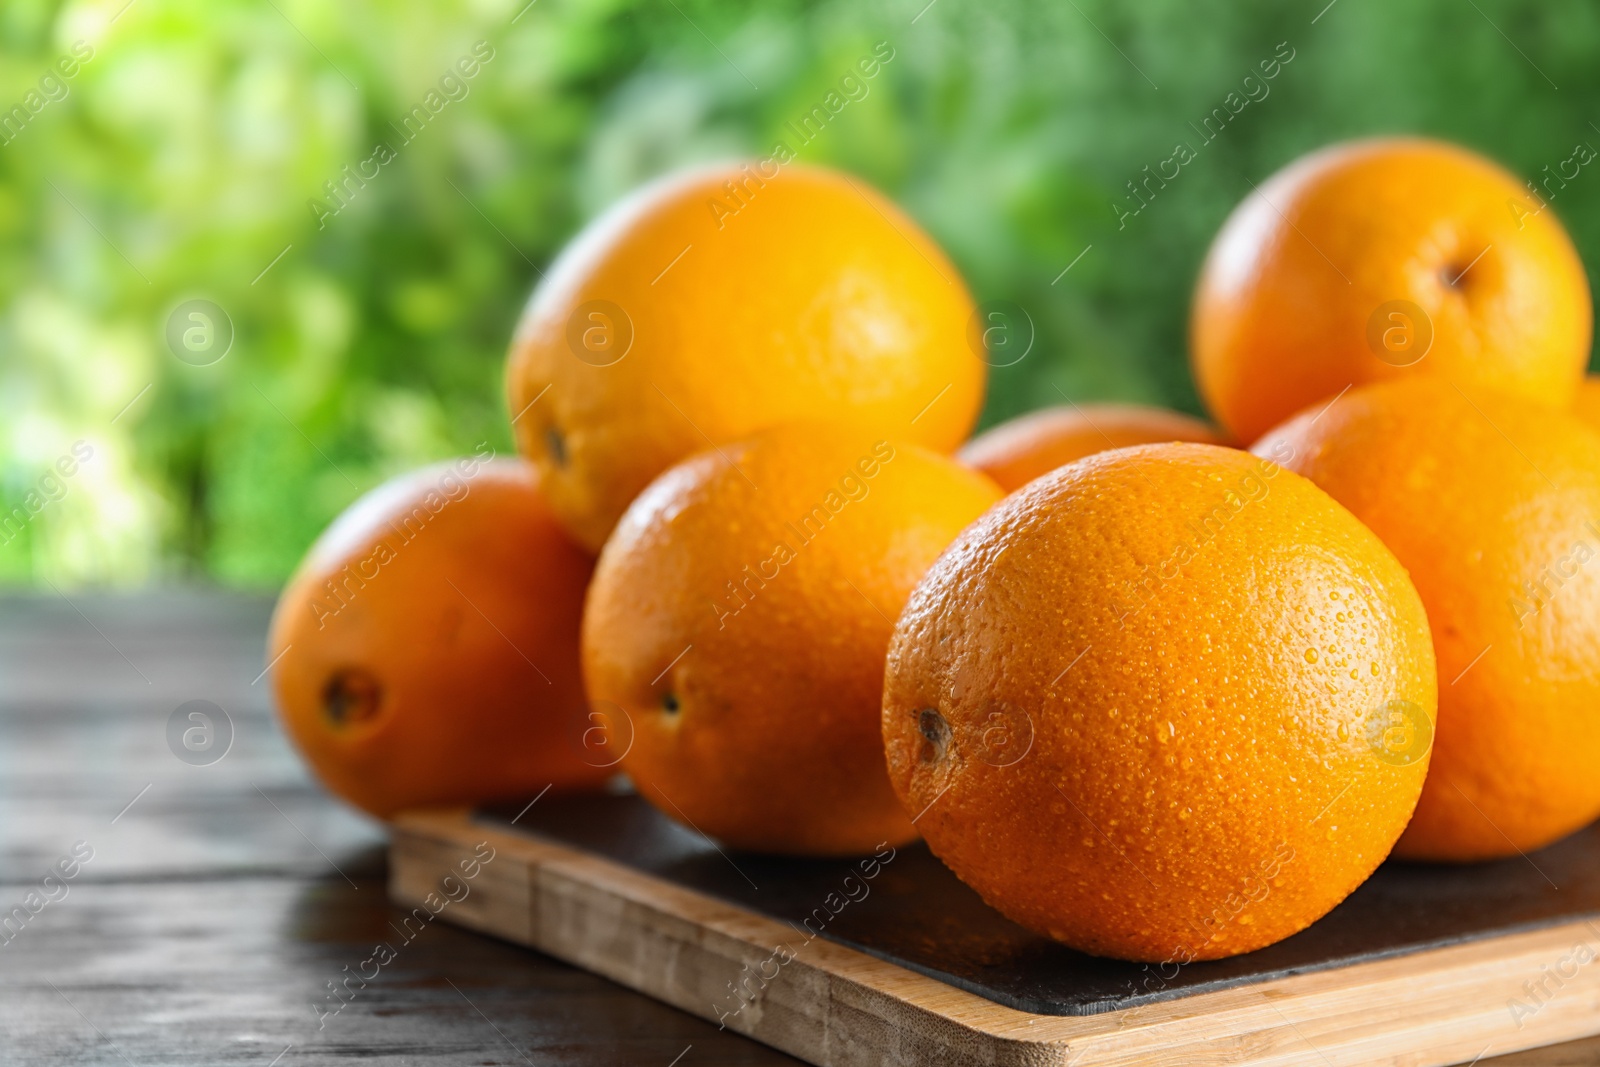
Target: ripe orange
{"x":719,"y":302}
{"x":426,"y":652}
{"x":1587,"y":404}
{"x":1379,"y":259}
{"x":1016,"y":452}
{"x":1167,"y":703}
{"x":738,"y":620}
{"x":1492,"y":504}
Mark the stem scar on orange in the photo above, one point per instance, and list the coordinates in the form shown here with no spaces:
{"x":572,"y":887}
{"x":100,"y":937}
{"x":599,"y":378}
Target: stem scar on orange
{"x":739,"y":616}
{"x":426,"y":651}
{"x":719,"y":302}
{"x":1379,"y":259}
{"x":1226,"y":688}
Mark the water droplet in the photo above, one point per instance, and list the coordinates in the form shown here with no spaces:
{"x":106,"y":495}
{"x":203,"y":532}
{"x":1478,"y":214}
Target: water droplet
{"x":1311,"y":655}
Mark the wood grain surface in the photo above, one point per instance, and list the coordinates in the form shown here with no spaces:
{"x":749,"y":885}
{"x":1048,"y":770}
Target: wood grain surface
{"x":222,"y":901}
{"x":835,"y":1006}
{"x":218,"y":906}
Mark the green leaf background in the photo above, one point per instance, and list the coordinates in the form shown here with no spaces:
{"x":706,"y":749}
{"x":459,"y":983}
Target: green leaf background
{"x":181,"y":161}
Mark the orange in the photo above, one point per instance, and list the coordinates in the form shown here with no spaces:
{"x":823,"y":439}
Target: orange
{"x":719,"y":302}
{"x":1492,"y":504}
{"x":1016,"y":452}
{"x":737,"y":625}
{"x":1382,"y":259}
{"x":1587,"y":404}
{"x":1167,"y":703}
{"x":426,"y":651}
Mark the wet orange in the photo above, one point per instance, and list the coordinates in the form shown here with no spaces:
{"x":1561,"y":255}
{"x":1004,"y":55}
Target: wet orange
{"x":1381,"y":259}
{"x":1167,"y":703}
{"x":737,"y":624}
{"x":1018,"y":451}
{"x":1491,"y":503}
{"x":426,"y":651}
{"x":719,"y":302}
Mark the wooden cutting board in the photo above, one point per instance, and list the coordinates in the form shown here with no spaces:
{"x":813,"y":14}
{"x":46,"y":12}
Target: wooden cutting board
{"x":890,"y":959}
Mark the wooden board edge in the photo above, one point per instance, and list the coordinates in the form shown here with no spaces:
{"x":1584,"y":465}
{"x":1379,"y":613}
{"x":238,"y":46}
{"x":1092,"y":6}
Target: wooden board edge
{"x":832,"y":1005}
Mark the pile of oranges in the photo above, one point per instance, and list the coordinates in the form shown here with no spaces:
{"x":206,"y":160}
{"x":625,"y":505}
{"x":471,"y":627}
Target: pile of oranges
{"x":1159,"y":689}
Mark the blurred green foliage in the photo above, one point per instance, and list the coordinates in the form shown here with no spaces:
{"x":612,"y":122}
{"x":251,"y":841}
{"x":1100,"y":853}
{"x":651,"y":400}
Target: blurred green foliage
{"x":179,"y":160}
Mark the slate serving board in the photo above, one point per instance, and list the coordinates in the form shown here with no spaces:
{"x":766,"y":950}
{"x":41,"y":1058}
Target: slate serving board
{"x":920,"y":916}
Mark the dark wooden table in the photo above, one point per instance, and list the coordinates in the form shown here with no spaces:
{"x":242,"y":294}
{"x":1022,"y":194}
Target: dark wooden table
{"x":222,"y":899}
